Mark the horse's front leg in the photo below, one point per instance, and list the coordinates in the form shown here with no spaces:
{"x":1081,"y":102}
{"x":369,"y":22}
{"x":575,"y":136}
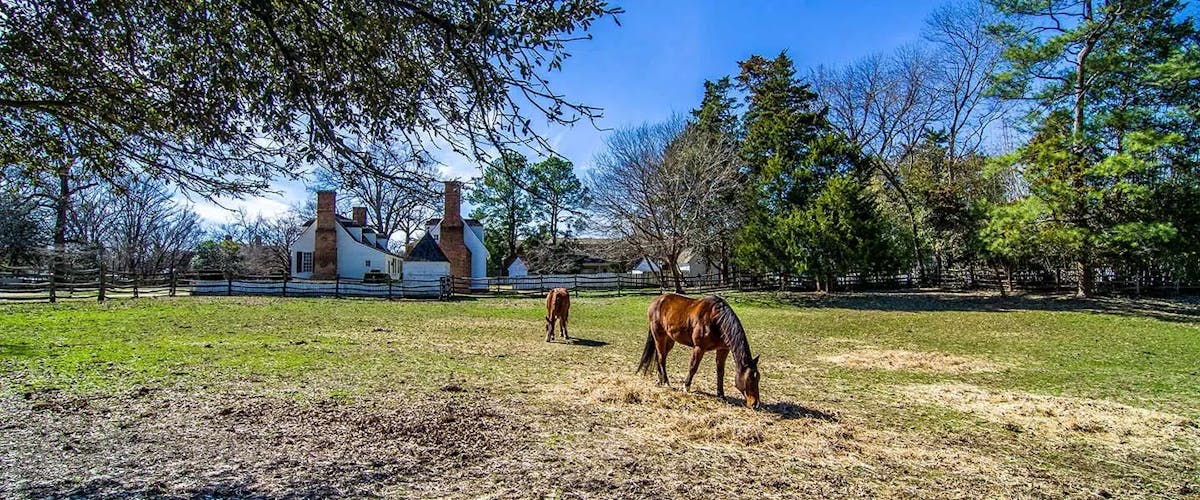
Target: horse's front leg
{"x":562,"y":322}
{"x":697,"y":355}
{"x":721,"y":355}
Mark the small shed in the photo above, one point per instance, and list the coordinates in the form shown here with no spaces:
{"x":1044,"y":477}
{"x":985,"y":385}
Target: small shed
{"x":425,"y":261}
{"x":516,"y":267}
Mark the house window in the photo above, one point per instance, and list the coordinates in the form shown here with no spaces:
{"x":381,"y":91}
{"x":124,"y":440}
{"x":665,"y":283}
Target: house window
{"x":306,"y":262}
{"x":368,"y":264}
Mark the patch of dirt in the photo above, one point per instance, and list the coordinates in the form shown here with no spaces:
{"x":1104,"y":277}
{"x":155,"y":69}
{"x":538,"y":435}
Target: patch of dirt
{"x":898,"y":360}
{"x":1111,"y":423}
{"x":181,"y":445}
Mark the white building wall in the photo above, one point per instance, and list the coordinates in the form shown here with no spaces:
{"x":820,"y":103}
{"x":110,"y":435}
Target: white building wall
{"x":305,"y":243}
{"x":479,"y":257}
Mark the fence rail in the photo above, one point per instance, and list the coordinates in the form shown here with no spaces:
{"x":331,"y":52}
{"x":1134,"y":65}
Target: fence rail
{"x":96,"y":285}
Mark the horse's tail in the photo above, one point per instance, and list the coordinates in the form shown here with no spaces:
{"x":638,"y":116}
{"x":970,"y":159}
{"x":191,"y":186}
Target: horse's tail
{"x":648,"y":353}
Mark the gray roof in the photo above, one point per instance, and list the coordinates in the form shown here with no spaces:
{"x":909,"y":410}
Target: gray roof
{"x":349,"y":223}
{"x":426,"y":250}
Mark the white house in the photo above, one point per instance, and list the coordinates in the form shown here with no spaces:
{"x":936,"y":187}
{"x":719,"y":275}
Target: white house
{"x":332,"y":246}
{"x":459,"y":244}
{"x":692,"y":263}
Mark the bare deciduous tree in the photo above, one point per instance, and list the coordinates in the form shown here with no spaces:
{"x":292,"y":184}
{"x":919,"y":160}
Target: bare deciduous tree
{"x":965,"y":56}
{"x":660,"y":187}
{"x":885,"y":105}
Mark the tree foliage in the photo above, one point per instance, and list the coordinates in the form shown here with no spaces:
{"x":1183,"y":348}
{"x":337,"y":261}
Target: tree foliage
{"x":220,"y":96}
{"x":1103,"y":135}
{"x":559,"y":198}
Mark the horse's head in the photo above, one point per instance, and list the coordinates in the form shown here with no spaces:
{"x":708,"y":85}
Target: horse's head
{"x":747,"y":382}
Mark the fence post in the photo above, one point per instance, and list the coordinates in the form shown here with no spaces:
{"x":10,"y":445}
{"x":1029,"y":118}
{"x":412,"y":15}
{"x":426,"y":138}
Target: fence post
{"x":100,"y":291}
{"x":337,"y":287}
{"x":172,"y":282}
{"x":576,"y":284}
{"x":285,"y":280}
{"x":389,"y":296}
{"x":619,"y":276}
{"x":228,"y":285}
{"x":53,"y":279}
{"x":541,"y":283}
{"x":135,"y":290}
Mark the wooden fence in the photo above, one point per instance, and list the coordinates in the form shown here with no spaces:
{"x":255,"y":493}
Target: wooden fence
{"x":96,"y":285}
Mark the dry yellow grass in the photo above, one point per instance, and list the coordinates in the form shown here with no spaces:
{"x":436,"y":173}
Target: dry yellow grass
{"x":892,"y":359}
{"x":1053,"y":417}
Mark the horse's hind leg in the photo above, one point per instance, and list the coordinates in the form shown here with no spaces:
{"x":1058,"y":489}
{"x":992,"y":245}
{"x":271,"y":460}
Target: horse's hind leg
{"x":562,"y":323}
{"x":664,"y":347}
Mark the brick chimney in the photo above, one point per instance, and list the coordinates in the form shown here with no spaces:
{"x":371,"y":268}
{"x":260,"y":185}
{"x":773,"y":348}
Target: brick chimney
{"x":451,"y":239}
{"x":325,"y":250}
{"x":360,"y":216}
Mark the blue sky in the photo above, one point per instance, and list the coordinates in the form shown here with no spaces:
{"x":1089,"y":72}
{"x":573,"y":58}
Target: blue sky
{"x":655,"y":63}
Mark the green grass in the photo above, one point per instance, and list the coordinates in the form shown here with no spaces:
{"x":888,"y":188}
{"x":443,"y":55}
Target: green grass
{"x":374,"y":345}
{"x":1128,"y":353}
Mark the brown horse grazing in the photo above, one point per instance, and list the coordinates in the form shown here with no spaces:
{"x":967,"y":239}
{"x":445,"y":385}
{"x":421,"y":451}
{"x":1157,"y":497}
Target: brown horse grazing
{"x":558,"y":305}
{"x":706,"y":324}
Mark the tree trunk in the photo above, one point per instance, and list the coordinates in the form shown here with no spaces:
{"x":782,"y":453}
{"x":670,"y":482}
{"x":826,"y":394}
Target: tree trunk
{"x":673,"y":263}
{"x":1085,"y":285}
{"x":1081,"y":77}
{"x":61,"y":209}
{"x":554,"y":226}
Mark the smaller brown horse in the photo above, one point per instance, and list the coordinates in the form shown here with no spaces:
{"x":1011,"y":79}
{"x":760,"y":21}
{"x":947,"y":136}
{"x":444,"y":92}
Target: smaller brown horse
{"x":558,"y":305}
{"x":706,"y":324}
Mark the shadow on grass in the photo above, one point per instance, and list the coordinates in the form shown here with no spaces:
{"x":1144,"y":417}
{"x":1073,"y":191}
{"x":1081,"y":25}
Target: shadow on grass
{"x":793,"y":411}
{"x":1182,"y":309}
{"x":18,"y":350}
{"x":586,"y":342}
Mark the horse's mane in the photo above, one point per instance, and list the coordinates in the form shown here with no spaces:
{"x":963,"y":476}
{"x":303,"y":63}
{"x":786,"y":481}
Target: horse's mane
{"x":731,"y":331}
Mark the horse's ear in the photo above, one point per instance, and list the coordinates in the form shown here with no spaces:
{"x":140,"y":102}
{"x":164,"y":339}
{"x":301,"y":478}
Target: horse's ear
{"x":755,"y":362}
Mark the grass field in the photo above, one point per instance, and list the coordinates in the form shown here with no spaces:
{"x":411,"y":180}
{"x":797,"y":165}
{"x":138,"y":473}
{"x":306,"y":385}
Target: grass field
{"x":884,"y":395}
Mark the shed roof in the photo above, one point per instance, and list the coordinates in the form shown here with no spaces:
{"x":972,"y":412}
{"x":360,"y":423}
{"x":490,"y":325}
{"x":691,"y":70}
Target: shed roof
{"x":426,"y":250}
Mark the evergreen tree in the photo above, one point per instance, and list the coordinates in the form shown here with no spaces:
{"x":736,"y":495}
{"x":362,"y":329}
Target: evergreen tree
{"x":717,"y":119}
{"x":22,"y":232}
{"x":842,"y":232}
{"x":789,"y":151}
{"x":503,"y":205}
{"x":218,"y":256}
{"x":558,"y":197}
{"x":1099,"y":152}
